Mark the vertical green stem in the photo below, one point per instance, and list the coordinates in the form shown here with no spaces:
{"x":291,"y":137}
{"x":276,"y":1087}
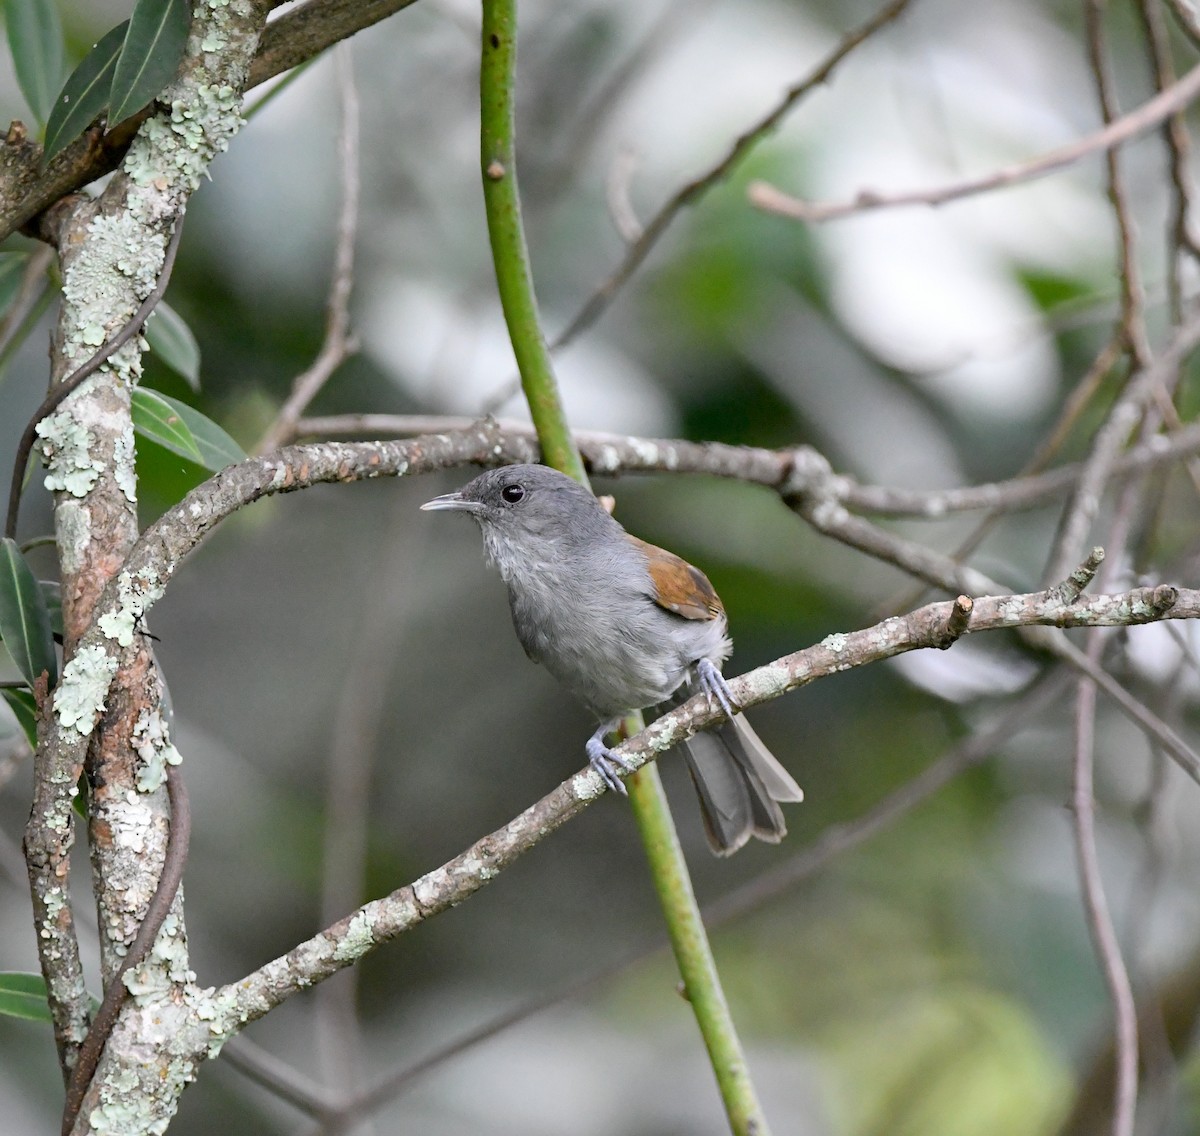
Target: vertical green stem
{"x":689,"y":941}
{"x":497,"y":81}
{"x":514,"y":279}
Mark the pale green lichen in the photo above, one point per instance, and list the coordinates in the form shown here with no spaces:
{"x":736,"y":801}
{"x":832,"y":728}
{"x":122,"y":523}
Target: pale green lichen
{"x":219,"y":1008}
{"x":103,"y":286}
{"x":73,"y":532}
{"x":123,"y":458}
{"x":71,"y":468}
{"x":152,"y":743}
{"x":835,"y":643}
{"x":135,"y":594}
{"x":80,"y":694}
{"x":357,"y":940}
{"x":587,"y":786}
{"x":178,"y":150}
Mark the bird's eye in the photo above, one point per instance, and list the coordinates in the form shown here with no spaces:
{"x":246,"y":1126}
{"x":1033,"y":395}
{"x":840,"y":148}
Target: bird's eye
{"x":513,"y":493}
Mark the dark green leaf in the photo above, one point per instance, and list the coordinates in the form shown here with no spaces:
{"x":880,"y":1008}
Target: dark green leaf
{"x":36,"y":41}
{"x":183,"y":431}
{"x":24,"y":996}
{"x":172,"y":341}
{"x":154,"y":418}
{"x":150,"y":56}
{"x":85,"y":94}
{"x":24,"y":620}
{"x":24,"y":709}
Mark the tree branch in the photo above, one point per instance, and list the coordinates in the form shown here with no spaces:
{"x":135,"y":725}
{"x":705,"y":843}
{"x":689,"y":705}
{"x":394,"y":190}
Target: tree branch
{"x":1146,"y":117}
{"x":339,"y":343}
{"x":382,"y":920}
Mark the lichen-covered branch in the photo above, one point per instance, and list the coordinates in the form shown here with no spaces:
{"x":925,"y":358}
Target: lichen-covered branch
{"x":621,"y":453}
{"x":26,"y":188}
{"x":377,"y":922}
{"x":112,"y":252}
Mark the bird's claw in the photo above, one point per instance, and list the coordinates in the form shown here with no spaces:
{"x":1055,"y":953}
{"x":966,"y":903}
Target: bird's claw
{"x":715,"y":688}
{"x":606,"y":762}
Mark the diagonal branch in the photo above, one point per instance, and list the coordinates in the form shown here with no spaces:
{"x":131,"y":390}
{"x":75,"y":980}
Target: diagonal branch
{"x":384,"y":919}
{"x":339,"y":343}
{"x":690,"y":193}
{"x":1146,"y":117}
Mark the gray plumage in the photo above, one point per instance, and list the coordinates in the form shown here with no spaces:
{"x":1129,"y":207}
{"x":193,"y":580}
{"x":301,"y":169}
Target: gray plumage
{"x":586,"y":606}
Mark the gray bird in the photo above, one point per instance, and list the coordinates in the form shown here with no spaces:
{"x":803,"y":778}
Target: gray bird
{"x":624,"y":625}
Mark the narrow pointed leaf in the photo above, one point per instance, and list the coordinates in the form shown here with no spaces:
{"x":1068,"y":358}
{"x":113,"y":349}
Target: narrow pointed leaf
{"x":173,"y":342}
{"x":183,"y":431}
{"x":24,"y":996}
{"x":24,"y":709}
{"x":150,"y":56}
{"x":36,"y":41}
{"x":155,"y":419}
{"x":85,"y":94}
{"x":24,"y":620}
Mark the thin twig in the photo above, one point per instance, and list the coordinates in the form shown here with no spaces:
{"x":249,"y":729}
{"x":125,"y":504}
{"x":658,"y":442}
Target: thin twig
{"x":1147,"y":116}
{"x":607,"y":453}
{"x":1106,"y":443}
{"x":688,"y":194}
{"x":1133,"y":300}
{"x":835,"y":840}
{"x":72,"y":381}
{"x":1181,"y":241}
{"x":1189,"y":19}
{"x":339,"y":344}
{"x":1099,"y":921}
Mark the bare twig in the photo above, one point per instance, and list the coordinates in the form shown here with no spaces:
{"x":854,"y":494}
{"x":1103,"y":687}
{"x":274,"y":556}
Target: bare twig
{"x":1073,"y":586}
{"x":616,"y":194}
{"x":586,"y":128}
{"x":835,"y":840}
{"x":1189,"y":19}
{"x":1181,"y":240}
{"x":688,"y":194}
{"x":1107,"y":441}
{"x":1147,"y":116}
{"x":1133,"y":322}
{"x":339,"y":344}
{"x":620,"y":453}
{"x":278,"y":1077}
{"x":1099,"y":920}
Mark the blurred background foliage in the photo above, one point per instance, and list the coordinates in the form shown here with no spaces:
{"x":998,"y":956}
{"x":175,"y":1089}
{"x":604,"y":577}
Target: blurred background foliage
{"x":938,"y":979}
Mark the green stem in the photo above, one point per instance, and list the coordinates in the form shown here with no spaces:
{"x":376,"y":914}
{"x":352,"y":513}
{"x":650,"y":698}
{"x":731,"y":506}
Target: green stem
{"x":689,"y":941}
{"x":514,"y":279}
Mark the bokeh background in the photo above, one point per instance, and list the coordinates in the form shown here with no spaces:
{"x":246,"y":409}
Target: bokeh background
{"x":935,"y":979}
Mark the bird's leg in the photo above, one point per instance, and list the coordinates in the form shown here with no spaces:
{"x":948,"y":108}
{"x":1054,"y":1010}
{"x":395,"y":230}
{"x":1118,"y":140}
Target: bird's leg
{"x":604,"y":761}
{"x":716,"y":689}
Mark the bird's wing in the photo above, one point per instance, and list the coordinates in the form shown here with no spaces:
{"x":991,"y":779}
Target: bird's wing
{"x":678,"y":586}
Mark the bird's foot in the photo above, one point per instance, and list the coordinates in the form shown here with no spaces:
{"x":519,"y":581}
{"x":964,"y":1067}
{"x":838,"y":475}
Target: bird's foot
{"x":713,"y":683}
{"x":606,"y":762}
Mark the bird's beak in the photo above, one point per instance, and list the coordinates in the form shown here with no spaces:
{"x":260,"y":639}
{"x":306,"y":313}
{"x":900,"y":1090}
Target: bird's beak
{"x":453,"y":501}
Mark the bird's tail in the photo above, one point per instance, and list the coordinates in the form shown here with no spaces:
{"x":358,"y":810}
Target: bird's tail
{"x":739,"y":783}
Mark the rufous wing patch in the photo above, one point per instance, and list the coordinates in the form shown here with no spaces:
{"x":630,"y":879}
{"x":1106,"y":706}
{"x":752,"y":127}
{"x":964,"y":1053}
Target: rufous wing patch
{"x":678,"y":586}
